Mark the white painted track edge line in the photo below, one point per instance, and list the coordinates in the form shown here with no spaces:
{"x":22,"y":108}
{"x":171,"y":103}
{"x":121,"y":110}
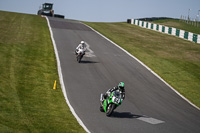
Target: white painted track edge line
{"x":145,"y":67}
{"x":61,"y":79}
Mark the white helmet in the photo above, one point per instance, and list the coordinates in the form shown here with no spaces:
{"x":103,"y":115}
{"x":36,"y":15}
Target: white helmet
{"x":82,"y":42}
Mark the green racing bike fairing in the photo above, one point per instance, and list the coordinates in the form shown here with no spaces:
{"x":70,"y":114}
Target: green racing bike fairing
{"x":111,"y":102}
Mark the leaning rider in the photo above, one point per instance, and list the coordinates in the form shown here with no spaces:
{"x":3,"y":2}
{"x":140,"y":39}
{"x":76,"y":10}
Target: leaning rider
{"x":82,"y":45}
{"x":120,"y":87}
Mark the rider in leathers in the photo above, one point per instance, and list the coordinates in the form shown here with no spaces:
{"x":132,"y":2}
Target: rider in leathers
{"x":82,"y":45}
{"x":120,"y":87}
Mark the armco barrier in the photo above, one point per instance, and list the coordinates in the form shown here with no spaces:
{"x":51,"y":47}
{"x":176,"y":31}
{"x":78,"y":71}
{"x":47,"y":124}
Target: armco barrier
{"x":168,"y":30}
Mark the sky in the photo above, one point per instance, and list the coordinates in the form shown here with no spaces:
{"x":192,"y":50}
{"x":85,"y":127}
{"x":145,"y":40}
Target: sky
{"x":108,"y":10}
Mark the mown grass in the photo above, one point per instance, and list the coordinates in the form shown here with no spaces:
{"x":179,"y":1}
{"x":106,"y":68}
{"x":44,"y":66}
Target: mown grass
{"x":27,"y":73}
{"x":176,"y":23}
{"x":176,"y":60}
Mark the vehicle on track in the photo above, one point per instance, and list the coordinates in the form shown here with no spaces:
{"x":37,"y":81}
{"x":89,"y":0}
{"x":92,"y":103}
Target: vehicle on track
{"x":47,"y":9}
{"x":80,"y":55}
{"x":109,"y":104}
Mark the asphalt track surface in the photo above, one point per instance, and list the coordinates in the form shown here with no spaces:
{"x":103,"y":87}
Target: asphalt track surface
{"x":150,"y":105}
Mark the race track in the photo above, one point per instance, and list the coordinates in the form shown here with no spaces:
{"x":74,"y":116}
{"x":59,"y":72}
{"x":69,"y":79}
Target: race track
{"x":150,"y":105}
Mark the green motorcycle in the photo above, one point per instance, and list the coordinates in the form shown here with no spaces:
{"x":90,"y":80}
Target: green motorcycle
{"x":113,"y":100}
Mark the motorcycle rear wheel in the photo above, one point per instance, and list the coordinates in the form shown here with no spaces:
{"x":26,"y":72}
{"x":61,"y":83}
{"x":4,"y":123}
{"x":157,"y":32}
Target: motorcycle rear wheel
{"x":101,"y":109}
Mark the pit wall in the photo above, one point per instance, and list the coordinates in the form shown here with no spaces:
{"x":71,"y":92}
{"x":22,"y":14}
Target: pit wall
{"x":168,"y":30}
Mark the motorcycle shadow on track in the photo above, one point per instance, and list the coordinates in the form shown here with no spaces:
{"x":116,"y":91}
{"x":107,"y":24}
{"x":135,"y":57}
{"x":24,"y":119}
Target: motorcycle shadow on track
{"x":125,"y":115}
{"x":88,"y":62}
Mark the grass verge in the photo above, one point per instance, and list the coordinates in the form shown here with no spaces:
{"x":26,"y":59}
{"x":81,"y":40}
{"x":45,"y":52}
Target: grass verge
{"x":176,"y":60}
{"x":28,"y":70}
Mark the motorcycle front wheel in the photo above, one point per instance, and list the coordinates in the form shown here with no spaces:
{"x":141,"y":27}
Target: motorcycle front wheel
{"x":79,"y":58}
{"x":110,"y":109}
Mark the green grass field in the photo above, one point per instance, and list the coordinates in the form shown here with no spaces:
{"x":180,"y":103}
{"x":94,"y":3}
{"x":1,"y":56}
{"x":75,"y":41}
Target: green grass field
{"x":28,"y":70}
{"x":176,"y":60}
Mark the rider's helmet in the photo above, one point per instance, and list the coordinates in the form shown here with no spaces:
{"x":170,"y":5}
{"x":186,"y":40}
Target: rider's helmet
{"x":83,"y":44}
{"x":121,"y":86}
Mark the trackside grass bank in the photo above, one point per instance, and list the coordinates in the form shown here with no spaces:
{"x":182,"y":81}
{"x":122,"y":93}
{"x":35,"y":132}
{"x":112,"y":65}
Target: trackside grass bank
{"x":28,"y":70}
{"x":177,"y":61}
